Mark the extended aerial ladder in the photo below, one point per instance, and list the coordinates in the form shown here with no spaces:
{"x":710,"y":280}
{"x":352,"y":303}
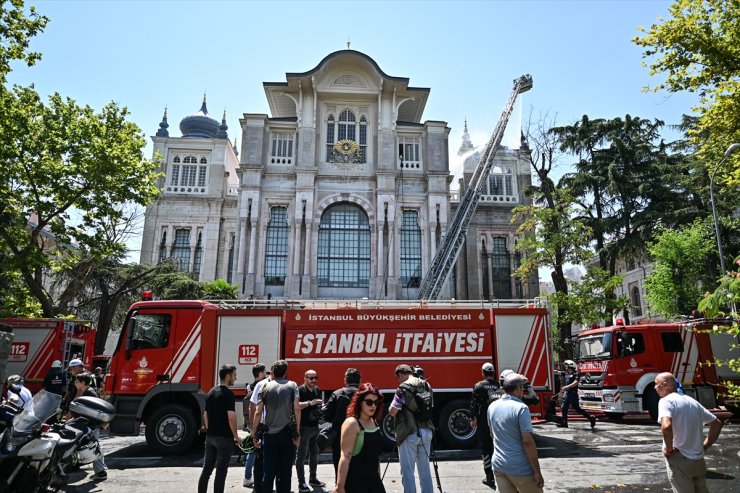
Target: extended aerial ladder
{"x":454,"y":238}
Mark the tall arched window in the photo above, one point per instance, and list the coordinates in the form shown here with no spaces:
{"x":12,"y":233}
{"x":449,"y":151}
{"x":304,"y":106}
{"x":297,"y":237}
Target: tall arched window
{"x":230,"y":273}
{"x":181,"y":249}
{"x":500,"y":269}
{"x":163,"y":246}
{"x":410,"y":250}
{"x":485,"y":280}
{"x":636,"y":301}
{"x":501,"y":185}
{"x":198,"y":257}
{"x":344,"y":247}
{"x":276,"y":247}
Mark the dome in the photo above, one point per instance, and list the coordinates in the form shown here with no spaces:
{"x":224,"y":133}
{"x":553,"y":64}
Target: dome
{"x":199,"y":124}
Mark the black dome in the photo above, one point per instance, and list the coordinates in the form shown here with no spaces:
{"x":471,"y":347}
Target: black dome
{"x":199,"y":124}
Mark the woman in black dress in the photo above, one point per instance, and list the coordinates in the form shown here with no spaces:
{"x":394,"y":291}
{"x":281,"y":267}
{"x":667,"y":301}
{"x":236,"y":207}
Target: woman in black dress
{"x":361,"y":443}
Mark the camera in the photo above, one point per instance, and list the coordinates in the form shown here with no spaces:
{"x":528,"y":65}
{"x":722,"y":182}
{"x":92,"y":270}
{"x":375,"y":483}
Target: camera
{"x":315,"y":413}
{"x":418,"y":371}
{"x":259,"y":433}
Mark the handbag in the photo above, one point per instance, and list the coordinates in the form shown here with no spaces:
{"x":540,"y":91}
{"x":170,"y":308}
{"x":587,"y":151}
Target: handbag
{"x":327,"y":436}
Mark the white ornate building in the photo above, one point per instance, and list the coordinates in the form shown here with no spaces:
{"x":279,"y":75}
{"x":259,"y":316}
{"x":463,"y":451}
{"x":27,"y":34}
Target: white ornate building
{"x":341,"y":192}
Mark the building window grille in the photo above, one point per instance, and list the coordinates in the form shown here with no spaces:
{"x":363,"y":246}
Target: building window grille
{"x":409,"y":152}
{"x":276,"y":248}
{"x":281,"y":148}
{"x":501,"y":186}
{"x":181,"y":249}
{"x":500,"y":269}
{"x":344,"y":247}
{"x":410,"y":250}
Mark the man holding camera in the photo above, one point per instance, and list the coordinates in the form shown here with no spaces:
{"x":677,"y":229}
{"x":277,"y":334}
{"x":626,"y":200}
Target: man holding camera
{"x":309,"y":401}
{"x":277,"y":434}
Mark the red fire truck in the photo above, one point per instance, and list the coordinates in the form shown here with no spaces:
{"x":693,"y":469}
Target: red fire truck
{"x":169,"y":353}
{"x":37,"y":342}
{"x":618,"y":365}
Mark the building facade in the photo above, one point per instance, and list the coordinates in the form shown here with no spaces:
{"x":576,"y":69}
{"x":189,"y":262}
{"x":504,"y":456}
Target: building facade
{"x":341,"y":192}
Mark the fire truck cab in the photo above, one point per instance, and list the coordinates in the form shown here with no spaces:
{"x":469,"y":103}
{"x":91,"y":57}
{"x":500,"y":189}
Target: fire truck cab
{"x":618,"y":365}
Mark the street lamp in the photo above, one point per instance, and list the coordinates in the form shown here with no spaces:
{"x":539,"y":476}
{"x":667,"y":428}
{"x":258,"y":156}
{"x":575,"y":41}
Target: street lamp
{"x":729,"y":152}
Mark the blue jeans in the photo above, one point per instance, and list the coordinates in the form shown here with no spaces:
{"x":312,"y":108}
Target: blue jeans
{"x":218,"y":453}
{"x":279,"y":455}
{"x":248,"y":465}
{"x":414,"y":451}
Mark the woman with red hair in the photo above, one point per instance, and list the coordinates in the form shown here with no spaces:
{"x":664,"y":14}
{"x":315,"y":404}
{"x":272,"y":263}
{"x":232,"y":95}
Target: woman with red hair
{"x":361,"y":443}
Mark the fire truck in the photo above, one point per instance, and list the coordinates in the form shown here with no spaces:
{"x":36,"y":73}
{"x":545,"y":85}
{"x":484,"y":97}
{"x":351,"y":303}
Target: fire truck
{"x":618,"y":365}
{"x":169,"y":353}
{"x":37,"y":342}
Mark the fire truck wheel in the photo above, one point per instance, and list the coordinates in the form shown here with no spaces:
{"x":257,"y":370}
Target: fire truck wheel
{"x":171,"y":429}
{"x":388,"y":431}
{"x":454,"y":425}
{"x":650,"y":399}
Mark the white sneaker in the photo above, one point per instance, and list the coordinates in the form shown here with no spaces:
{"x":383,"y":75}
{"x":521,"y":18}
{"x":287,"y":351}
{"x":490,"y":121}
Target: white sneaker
{"x":248,"y":483}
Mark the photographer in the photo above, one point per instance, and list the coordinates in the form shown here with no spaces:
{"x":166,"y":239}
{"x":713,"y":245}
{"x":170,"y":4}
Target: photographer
{"x":309,"y":400}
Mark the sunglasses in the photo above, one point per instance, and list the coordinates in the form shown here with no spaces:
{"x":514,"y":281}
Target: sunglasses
{"x":371,"y":402}
{"x":312,"y":378}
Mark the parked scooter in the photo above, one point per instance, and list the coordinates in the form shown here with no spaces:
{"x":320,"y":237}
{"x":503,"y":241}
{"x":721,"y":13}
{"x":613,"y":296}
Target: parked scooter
{"x":32,"y":453}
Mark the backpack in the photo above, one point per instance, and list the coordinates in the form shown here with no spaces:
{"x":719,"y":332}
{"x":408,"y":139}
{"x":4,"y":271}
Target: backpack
{"x":419,"y":400}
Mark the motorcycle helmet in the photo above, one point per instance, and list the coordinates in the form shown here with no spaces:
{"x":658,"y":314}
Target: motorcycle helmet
{"x":88,"y":453}
{"x":569,"y":363}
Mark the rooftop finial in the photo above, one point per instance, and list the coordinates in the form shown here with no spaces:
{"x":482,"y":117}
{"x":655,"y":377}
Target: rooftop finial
{"x":236,"y":149}
{"x":466,"y":124}
{"x":222,"y":134}
{"x":348,"y":42}
{"x":162,"y":132}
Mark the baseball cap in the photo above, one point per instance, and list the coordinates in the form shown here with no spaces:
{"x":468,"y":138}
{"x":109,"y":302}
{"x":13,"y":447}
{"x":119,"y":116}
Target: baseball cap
{"x":487,"y":367}
{"x":506,"y":373}
{"x":75,"y":362}
{"x":56,"y":364}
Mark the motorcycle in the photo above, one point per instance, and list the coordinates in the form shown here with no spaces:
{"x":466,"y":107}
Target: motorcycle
{"x":33,"y":454}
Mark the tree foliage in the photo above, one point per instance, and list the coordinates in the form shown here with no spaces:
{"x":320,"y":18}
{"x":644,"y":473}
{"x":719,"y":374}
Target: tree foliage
{"x":716,"y":304}
{"x":697,"y":50}
{"x":66,"y":172}
{"x":219,"y":289}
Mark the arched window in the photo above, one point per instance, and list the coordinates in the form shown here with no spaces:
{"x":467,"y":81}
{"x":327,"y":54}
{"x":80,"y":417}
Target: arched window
{"x":203,"y":160}
{"x":230,"y":273}
{"x":501,"y":185}
{"x":347,"y":128}
{"x":276,"y":247}
{"x":163,"y":246}
{"x":181,"y":249}
{"x":410,"y":250}
{"x":344,"y":247}
{"x":636,"y":301}
{"x":500,"y":269}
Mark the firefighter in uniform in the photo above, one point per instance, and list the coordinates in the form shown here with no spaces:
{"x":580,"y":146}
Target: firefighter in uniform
{"x":484,"y":393}
{"x":570,"y":394}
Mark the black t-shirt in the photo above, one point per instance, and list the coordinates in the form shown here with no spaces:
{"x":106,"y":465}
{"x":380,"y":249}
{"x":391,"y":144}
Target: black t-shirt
{"x":219,"y":401}
{"x":309,"y":415}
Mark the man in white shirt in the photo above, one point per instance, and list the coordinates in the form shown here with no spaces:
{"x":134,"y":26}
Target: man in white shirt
{"x":682,"y":421}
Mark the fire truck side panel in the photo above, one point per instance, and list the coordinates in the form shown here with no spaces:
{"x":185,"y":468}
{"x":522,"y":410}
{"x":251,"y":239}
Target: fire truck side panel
{"x":724,"y":347}
{"x":244,"y":341}
{"x":450,"y":345}
{"x":523,"y":346}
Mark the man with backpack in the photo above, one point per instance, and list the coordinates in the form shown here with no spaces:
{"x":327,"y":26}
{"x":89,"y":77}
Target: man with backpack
{"x":484,"y":393}
{"x":412,"y":407}
{"x":335,"y":410}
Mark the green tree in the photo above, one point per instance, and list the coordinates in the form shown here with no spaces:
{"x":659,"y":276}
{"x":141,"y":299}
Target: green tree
{"x":697,"y":49}
{"x":17,"y":27}
{"x":591,"y":298}
{"x":715,"y":304}
{"x":219,"y":290}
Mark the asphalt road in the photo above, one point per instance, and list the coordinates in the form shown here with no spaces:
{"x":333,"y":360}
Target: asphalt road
{"x":614,"y":457}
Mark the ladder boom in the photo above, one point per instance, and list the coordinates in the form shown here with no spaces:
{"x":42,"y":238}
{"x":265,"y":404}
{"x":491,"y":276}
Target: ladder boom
{"x":454,"y":238}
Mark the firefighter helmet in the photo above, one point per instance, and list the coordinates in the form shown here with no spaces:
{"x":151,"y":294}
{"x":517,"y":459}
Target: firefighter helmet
{"x":569,"y":363}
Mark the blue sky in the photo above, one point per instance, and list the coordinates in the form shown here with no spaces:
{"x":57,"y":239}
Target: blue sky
{"x":148,"y":54}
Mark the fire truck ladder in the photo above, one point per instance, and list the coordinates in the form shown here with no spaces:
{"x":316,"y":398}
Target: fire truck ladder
{"x":69,"y":330}
{"x":454,"y":238}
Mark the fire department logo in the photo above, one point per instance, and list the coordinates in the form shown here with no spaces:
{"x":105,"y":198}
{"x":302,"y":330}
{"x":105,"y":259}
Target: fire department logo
{"x":143,"y":370}
{"x":297,"y":316}
{"x":633,"y":363}
{"x":481,"y":316}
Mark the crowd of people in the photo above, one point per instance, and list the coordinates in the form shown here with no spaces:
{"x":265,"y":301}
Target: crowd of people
{"x":283,"y":419}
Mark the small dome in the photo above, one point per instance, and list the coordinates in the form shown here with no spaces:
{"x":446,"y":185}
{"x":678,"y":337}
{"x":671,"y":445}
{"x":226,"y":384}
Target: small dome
{"x":200,"y":124}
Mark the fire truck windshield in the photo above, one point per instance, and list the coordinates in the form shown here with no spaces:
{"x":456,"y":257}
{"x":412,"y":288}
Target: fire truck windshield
{"x":595,"y":347}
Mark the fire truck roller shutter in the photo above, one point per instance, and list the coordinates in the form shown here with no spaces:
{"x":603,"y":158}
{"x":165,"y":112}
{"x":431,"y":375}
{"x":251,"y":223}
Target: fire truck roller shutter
{"x":522,"y":345}
{"x":246,"y":340}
